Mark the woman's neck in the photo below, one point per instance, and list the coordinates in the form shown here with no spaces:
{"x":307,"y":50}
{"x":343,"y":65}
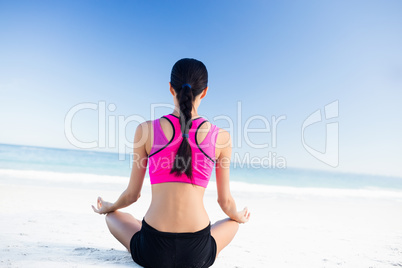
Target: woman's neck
{"x":194,"y":114}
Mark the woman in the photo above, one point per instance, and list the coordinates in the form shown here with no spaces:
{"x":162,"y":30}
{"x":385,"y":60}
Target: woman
{"x":181,"y":149}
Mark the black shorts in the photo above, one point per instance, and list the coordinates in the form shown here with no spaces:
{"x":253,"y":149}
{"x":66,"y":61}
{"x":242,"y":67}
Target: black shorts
{"x":152,"y":248}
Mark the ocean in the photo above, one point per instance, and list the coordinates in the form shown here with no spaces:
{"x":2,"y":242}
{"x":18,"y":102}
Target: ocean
{"x":54,"y":164}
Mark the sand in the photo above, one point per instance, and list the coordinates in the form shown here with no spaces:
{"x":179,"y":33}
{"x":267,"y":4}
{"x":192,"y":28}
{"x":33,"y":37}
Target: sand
{"x":46,"y":220}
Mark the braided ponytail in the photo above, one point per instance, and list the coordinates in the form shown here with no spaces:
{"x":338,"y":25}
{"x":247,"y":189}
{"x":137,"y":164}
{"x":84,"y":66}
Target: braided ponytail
{"x":189,"y":78}
{"x":183,"y":159}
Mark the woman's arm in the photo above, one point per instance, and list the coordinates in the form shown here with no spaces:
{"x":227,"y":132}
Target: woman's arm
{"x":140,"y":161}
{"x":225,"y":199}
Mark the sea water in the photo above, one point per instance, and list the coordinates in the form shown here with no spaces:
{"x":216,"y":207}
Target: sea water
{"x":53,"y":164}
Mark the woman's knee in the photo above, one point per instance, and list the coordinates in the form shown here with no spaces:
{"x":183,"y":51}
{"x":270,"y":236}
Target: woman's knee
{"x":235,"y":226}
{"x":109,"y":217}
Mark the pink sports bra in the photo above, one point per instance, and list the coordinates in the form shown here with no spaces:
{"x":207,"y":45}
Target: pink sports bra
{"x":163,"y":152}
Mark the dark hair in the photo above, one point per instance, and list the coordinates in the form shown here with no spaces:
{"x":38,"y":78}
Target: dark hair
{"x":189,"y":78}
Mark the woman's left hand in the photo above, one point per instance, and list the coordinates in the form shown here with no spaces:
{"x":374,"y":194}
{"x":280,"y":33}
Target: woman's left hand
{"x":103,"y":207}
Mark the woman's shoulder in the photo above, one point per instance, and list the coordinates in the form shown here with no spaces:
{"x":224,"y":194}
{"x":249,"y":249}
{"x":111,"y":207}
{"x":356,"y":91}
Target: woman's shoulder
{"x":147,"y":123}
{"x":223,"y":136}
{"x":145,"y":127}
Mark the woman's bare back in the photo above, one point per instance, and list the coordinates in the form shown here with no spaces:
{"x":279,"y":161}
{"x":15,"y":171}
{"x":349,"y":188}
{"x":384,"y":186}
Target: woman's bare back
{"x":175,"y":206}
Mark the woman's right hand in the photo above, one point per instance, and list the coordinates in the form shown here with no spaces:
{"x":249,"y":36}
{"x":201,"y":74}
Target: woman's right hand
{"x":243,"y":215}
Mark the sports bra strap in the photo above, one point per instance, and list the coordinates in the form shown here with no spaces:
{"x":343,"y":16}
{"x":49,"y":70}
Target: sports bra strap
{"x":160,"y":139}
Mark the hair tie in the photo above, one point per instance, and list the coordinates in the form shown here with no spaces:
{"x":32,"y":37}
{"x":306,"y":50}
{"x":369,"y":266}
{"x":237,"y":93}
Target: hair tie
{"x":186,"y":85}
{"x":185,"y":135}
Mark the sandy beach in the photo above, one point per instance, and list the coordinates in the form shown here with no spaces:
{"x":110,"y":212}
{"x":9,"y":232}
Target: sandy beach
{"x":46,"y":220}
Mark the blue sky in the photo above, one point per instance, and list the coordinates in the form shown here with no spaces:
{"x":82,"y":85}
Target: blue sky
{"x":278,"y":58}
